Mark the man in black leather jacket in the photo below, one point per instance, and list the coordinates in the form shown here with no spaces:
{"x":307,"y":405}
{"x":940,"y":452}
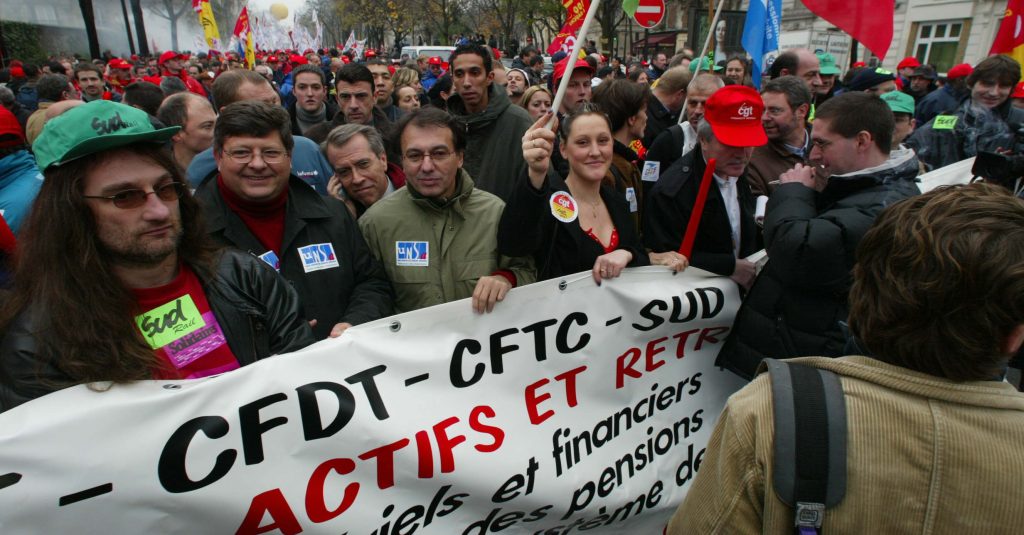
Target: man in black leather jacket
{"x":118,"y":281}
{"x":813,"y":223}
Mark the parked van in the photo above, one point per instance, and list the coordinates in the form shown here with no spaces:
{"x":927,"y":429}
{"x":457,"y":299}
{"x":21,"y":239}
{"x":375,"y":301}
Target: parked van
{"x":431,"y":51}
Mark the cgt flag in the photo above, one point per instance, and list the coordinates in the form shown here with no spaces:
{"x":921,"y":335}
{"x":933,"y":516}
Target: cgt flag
{"x":761,"y":33}
{"x":1010,"y":39}
{"x":243,"y":36}
{"x":209,"y":24}
{"x":576,"y":10}
{"x":867,"y":21}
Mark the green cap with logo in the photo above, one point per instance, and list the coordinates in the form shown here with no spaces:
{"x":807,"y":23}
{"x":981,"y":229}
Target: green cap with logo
{"x":899,"y":102}
{"x":705,"y":65}
{"x":94,"y":127}
{"x":827,"y":63}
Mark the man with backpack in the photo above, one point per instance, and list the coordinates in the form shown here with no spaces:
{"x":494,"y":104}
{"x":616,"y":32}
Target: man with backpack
{"x":932,"y":434}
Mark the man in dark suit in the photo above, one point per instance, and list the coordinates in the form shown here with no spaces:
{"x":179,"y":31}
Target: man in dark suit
{"x":726,"y":234}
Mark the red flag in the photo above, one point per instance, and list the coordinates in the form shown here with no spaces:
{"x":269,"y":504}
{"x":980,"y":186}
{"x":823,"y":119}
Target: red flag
{"x":577,"y":11}
{"x":867,"y":21}
{"x":1009,"y":38}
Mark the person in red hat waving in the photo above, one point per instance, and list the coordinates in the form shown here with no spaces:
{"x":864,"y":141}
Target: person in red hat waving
{"x":726,"y":234}
{"x":172,"y":64}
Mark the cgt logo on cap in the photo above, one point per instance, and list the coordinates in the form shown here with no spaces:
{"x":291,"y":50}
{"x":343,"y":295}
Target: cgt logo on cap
{"x":745,"y":110}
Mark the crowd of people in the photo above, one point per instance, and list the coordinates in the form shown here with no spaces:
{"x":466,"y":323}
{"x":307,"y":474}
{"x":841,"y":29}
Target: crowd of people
{"x":178,"y":217}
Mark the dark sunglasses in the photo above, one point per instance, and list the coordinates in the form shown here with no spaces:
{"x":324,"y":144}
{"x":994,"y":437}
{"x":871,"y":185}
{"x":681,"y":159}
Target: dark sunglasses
{"x":134,"y":198}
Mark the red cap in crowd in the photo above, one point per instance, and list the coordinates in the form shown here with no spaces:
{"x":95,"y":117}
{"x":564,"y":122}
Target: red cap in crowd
{"x":272,"y":59}
{"x":11,"y":133}
{"x":170,"y":54}
{"x":734,"y":113}
{"x":370,"y":54}
{"x":17,"y":72}
{"x":909,"y":61}
{"x":581,"y":65}
{"x":436,"y":60}
{"x":296,"y":59}
{"x":859,"y":64}
{"x":959,"y":71}
{"x":118,"y":63}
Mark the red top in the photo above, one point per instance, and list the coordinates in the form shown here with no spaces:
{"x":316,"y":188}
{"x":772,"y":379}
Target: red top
{"x":613,"y":243}
{"x":178,"y":324}
{"x":264,"y":220}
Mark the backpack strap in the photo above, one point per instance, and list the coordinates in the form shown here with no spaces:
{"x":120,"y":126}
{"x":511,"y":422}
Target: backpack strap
{"x":809,"y":462}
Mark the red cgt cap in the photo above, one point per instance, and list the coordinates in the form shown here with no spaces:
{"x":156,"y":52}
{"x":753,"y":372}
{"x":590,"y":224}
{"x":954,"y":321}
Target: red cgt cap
{"x":581,"y":65}
{"x":436,"y":60}
{"x":118,"y":63}
{"x":909,"y":61}
{"x":734,"y":113}
{"x":296,"y":59}
{"x":170,"y":54}
{"x":959,"y":71}
{"x":11,"y":133}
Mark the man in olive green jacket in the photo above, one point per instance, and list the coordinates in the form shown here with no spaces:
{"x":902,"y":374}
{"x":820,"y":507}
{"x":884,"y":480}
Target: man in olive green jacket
{"x":934,"y":435}
{"x":437,"y":236}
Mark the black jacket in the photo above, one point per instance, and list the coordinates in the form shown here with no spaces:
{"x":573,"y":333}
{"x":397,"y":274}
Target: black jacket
{"x":659,"y":119}
{"x":667,"y":210}
{"x":356,"y":291}
{"x":527,"y":227}
{"x":798,"y":300}
{"x":257,"y":311}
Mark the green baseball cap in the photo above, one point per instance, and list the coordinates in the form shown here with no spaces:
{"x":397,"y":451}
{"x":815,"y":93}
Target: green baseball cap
{"x":828,"y":63}
{"x":705,"y":65}
{"x":899,"y":102}
{"x":94,"y":127}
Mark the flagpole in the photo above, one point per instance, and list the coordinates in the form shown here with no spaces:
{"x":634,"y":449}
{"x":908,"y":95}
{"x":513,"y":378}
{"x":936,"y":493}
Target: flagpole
{"x":703,"y":53}
{"x":570,"y":60}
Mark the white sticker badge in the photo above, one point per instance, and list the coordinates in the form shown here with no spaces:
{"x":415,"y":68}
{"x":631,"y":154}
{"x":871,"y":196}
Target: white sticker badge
{"x":412,"y":253}
{"x":317,"y":256}
{"x":651,"y":171}
{"x":563,"y":207}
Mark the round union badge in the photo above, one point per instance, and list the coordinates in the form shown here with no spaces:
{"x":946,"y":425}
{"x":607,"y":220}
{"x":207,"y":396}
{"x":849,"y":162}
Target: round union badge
{"x":563,"y":207}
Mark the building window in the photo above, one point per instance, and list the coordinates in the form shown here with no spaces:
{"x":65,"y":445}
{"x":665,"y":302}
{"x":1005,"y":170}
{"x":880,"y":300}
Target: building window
{"x":937,"y":43}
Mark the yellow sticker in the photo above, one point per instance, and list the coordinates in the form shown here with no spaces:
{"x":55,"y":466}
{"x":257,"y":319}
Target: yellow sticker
{"x":170,"y":321}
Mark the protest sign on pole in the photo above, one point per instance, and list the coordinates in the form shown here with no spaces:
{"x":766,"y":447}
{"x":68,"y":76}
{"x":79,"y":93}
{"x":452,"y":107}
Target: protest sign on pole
{"x":570,"y":405}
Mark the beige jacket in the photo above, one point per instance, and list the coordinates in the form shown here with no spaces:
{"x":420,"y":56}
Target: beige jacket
{"x":924,"y":456}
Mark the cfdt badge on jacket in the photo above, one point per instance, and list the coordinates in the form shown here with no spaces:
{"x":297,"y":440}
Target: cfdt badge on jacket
{"x":318,"y":256}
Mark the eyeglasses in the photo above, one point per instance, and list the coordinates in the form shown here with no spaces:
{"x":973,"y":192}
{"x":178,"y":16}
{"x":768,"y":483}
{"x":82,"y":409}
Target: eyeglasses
{"x":134,"y":198}
{"x":246,"y":155}
{"x":436,"y":155}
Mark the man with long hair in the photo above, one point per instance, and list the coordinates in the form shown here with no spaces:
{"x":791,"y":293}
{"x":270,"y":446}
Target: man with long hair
{"x":116,"y":279}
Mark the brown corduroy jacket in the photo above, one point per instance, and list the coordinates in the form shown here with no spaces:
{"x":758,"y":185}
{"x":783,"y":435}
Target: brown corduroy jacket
{"x":925,"y":456}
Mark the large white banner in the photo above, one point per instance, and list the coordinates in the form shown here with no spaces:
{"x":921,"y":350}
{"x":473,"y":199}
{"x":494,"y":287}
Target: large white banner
{"x":573,"y":407}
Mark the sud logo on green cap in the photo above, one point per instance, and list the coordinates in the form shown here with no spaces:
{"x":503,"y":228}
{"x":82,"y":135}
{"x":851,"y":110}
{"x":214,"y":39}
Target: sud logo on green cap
{"x":94,"y":127}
